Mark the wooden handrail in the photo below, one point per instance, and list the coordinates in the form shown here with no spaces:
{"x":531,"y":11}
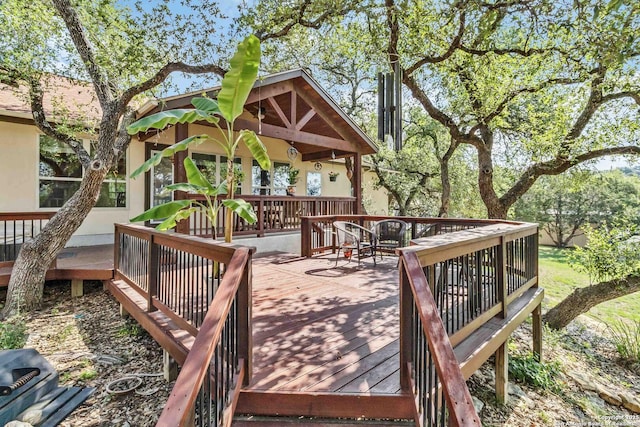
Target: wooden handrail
{"x":456,"y":393}
{"x":16,"y":216}
{"x":178,"y":409}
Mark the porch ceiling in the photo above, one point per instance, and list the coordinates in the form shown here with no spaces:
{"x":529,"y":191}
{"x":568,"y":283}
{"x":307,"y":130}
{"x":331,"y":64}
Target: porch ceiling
{"x":296,"y":109}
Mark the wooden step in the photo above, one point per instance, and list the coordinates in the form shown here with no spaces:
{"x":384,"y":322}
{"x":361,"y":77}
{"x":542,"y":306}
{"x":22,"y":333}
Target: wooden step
{"x":252,"y":421}
{"x":325,"y":405}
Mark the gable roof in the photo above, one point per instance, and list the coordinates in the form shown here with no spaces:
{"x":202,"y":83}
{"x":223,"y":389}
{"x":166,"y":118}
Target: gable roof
{"x":63,"y":98}
{"x":296,"y":109}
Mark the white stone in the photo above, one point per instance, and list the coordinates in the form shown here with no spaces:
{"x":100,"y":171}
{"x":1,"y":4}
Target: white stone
{"x":630,"y":402}
{"x":477,"y":404}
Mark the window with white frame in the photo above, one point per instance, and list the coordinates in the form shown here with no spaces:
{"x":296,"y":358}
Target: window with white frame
{"x":214,"y":168}
{"x":314,"y":184}
{"x":274,"y":181}
{"x":60,"y":174}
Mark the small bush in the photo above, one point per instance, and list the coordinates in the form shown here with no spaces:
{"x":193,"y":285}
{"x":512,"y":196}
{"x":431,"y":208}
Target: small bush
{"x":13,"y":334}
{"x":626,"y":338}
{"x":528,"y":370}
{"x":131,"y":329}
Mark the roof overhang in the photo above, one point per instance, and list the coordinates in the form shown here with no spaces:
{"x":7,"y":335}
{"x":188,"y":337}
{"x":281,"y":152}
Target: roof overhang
{"x":292,"y":107}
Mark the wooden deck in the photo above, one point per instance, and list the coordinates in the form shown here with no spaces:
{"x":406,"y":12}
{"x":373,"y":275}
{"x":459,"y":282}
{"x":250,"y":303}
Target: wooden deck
{"x":321,"y":328}
{"x":79,"y":263}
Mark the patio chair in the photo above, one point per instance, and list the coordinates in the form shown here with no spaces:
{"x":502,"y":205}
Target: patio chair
{"x":354,"y":241}
{"x":390,"y":234}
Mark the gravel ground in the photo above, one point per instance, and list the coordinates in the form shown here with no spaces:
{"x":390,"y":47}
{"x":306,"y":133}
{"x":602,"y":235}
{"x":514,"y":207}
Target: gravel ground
{"x":90,"y":345}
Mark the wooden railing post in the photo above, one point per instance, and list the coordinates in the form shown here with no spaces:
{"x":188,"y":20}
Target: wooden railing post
{"x":305,"y":237}
{"x":261,"y":218}
{"x":406,"y":328}
{"x":501,"y":275}
{"x":152,"y":272}
{"x":116,"y":249}
{"x":245,"y":337}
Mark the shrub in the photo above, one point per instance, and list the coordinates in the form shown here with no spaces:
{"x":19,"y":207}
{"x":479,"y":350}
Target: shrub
{"x":13,"y":334}
{"x":528,"y":370}
{"x":626,"y":338}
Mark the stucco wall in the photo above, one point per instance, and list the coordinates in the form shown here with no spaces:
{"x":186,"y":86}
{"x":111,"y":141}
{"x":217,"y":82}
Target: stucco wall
{"x":20,"y":184}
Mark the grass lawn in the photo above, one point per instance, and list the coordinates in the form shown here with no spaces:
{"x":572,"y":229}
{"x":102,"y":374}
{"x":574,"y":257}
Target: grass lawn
{"x":558,"y":280}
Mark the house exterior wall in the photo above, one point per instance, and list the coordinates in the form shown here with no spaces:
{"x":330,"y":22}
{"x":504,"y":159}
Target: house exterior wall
{"x":20,"y":178}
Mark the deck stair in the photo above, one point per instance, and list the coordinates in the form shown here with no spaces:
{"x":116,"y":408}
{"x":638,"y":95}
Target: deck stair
{"x":253,"y":421}
{"x":29,"y":390}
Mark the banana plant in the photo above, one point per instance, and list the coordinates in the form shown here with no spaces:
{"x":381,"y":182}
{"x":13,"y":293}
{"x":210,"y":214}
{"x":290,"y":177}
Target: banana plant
{"x":229,"y":105}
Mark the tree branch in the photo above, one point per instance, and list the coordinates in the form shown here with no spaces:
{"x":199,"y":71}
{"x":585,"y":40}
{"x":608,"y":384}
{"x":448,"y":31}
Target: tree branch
{"x":85,"y":50}
{"x":37,"y":109}
{"x":161,"y":75}
{"x":455,"y":44}
{"x":557,"y":166}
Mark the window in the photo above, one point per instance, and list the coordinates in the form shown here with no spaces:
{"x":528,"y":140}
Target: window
{"x":262,"y":182}
{"x":113,"y":193}
{"x":211,"y":164}
{"x":60,"y":172}
{"x":314,"y":183}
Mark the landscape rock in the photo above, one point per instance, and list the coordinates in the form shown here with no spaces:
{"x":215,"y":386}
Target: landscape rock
{"x":477,"y":404}
{"x":584,"y":381}
{"x":630,"y":402}
{"x":609,"y":396}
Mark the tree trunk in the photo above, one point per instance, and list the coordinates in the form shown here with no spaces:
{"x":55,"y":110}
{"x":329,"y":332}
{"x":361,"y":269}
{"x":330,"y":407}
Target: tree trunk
{"x":495,"y":208}
{"x":583,"y":299}
{"x":445,"y":197}
{"x":28,"y":273}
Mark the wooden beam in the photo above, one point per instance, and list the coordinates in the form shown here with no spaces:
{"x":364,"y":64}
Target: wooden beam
{"x":328,"y":119}
{"x":283,"y":117}
{"x":294,"y":110}
{"x":305,"y":119}
{"x":357,"y":183}
{"x":266,"y":92}
{"x":297,"y":136}
{"x":76,"y":288}
{"x":325,"y":155}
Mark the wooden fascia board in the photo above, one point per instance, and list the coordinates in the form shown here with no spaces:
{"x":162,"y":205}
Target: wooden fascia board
{"x":262,"y":93}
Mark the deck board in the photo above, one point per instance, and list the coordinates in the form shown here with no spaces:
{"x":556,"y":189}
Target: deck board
{"x":322,"y":328}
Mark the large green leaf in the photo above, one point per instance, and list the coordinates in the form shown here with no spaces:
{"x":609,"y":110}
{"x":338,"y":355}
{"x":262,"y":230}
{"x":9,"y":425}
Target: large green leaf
{"x":170,"y":117}
{"x":173,"y":220}
{"x":206,"y":104}
{"x":242,"y":208}
{"x":257,"y":148}
{"x":238,"y":81}
{"x":162,"y":211}
{"x":168,"y":152}
{"x":187,"y":188}
{"x":195,"y":177}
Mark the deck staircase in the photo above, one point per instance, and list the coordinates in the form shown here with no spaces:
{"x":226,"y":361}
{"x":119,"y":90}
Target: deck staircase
{"x":252,"y":421}
{"x":29,"y":390}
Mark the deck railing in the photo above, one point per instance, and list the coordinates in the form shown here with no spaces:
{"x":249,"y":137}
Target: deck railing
{"x":275,"y":214}
{"x":317,"y":231}
{"x":15,"y":228}
{"x":205,"y":288}
{"x":456,"y":282}
{"x":218,"y":363}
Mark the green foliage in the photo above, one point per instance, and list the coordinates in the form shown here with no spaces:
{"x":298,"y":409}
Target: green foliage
{"x":131,"y":329}
{"x":527,"y":369}
{"x":563,"y":204}
{"x":626,"y":338}
{"x":236,"y":86}
{"x":612,"y":252}
{"x":88,"y":374}
{"x":293,"y":175}
{"x":13,"y":334}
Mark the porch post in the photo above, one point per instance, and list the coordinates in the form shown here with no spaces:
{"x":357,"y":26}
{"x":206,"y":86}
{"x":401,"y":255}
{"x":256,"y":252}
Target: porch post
{"x":357,"y":183}
{"x":180,"y":174}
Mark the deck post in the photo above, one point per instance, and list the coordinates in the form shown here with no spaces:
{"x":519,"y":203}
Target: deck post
{"x":305,"y":237}
{"x":245,"y":330}
{"x":536,"y":316}
{"x":261,"y":218}
{"x":502,"y":373}
{"x":152,"y":272}
{"x":357,"y":183}
{"x":77,"y":288}
{"x":169,"y":367}
{"x":406,"y":327}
